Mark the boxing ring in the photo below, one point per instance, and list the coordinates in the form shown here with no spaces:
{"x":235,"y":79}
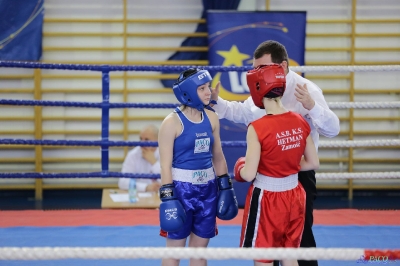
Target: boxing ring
{"x":220,"y":253}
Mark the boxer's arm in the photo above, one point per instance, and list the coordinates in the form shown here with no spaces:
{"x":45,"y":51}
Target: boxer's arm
{"x":253,"y":153}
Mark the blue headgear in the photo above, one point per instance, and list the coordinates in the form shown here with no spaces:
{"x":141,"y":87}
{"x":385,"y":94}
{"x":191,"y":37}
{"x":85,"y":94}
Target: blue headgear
{"x":185,"y":88}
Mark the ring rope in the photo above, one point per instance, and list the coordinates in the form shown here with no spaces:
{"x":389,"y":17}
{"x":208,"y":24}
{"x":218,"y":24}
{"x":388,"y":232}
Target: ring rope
{"x":363,"y":105}
{"x":87,"y":104}
{"x":107,"y":68}
{"x":103,"y":174}
{"x":53,"y":253}
{"x":359,"y":143}
{"x":359,"y":175}
{"x":333,"y":105}
{"x":324,"y":144}
{"x":110,"y":143}
{"x":345,"y":68}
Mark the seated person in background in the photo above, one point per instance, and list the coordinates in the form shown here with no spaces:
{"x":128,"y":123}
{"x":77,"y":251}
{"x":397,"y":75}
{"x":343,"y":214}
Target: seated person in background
{"x":143,"y":160}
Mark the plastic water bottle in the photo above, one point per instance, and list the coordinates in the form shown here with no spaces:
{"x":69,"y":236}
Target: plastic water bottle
{"x":132,"y":191}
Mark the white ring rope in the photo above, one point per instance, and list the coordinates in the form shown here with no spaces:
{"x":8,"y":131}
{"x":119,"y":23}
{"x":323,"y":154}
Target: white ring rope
{"x":359,"y":175}
{"x":53,"y":253}
{"x":358,"y":143}
{"x":345,"y":68}
{"x":363,"y":105}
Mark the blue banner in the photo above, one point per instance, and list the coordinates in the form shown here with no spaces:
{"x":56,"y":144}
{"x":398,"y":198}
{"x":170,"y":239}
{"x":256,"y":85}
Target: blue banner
{"x":233,"y":36}
{"x":21,"y":24}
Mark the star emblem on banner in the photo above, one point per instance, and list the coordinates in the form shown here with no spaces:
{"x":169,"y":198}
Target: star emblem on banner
{"x":233,"y":57}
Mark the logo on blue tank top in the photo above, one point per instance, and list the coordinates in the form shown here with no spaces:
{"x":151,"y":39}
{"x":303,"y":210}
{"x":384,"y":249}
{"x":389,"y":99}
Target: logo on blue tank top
{"x":202,"y":145}
{"x":204,"y":134}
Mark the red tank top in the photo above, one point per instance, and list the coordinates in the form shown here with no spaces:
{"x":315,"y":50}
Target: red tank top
{"x":283,"y":139}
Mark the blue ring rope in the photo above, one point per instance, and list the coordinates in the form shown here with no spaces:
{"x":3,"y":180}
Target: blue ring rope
{"x":86,"y":104}
{"x":102,"y":174}
{"x":108,"y":68}
{"x":106,"y":143}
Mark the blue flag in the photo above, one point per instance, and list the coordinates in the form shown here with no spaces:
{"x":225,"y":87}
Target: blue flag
{"x":21,"y":24}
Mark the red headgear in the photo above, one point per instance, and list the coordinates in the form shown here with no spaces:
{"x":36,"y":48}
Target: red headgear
{"x":266,"y":81}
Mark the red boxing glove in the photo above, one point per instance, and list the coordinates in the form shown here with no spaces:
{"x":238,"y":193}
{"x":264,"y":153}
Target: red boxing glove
{"x":238,"y":166}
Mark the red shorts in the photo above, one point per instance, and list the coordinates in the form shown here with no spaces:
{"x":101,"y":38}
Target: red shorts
{"x":273,"y":219}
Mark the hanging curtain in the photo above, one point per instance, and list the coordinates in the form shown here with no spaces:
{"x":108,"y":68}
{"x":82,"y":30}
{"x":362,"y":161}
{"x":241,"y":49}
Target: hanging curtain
{"x":200,"y":41}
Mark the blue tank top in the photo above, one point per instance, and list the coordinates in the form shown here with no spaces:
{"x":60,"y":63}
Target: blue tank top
{"x":192,"y":149}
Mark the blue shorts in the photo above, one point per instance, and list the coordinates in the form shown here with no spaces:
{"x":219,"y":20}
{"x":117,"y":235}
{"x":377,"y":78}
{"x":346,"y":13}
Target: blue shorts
{"x":200,"y":204}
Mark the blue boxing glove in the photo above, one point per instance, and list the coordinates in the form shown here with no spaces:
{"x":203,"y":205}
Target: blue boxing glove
{"x":172,"y":213}
{"x":227,"y":203}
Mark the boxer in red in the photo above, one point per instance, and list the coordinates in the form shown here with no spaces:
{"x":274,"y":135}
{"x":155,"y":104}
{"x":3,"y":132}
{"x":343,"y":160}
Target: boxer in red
{"x":279,"y":145}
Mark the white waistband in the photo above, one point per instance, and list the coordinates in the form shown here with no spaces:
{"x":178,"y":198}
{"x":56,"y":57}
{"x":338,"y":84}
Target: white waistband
{"x":275,"y":184}
{"x":193,"y":176}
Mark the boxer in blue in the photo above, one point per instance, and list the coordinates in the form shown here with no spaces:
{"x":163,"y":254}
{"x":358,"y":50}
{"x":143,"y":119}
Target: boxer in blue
{"x":195,"y":185}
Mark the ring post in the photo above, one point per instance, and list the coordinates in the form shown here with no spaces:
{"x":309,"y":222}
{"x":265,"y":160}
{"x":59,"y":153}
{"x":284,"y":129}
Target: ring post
{"x":105,"y":118}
